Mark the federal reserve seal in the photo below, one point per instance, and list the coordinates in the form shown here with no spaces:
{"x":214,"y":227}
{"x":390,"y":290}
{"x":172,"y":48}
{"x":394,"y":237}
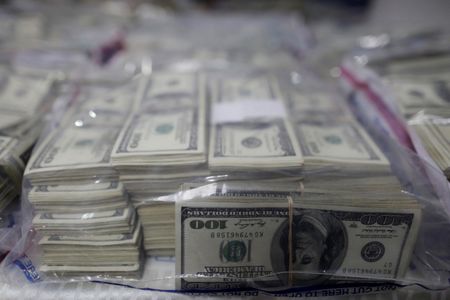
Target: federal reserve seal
{"x":372,"y":251}
{"x":164,"y":128}
{"x":251,"y":142}
{"x":233,"y":251}
{"x":333,"y":139}
{"x":84,"y":143}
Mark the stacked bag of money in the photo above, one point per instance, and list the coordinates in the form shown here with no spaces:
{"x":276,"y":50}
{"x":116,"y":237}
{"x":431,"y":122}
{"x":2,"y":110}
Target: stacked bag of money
{"x":84,"y":220}
{"x":23,"y":101}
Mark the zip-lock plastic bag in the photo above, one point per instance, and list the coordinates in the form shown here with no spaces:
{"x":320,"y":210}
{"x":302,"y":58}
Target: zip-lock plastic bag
{"x":328,"y":219}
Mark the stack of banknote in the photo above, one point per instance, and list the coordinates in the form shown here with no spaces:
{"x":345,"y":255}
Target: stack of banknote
{"x":423,"y":96}
{"x":291,"y":238}
{"x":23,"y":103}
{"x":434,"y":133}
{"x":100,"y":242}
{"x":163,"y":142}
{"x":85,"y":221}
{"x":250,"y":128}
{"x":330,"y":138}
{"x":422,"y":92}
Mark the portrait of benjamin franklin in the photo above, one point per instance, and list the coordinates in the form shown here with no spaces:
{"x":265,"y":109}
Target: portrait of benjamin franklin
{"x":318,"y":247}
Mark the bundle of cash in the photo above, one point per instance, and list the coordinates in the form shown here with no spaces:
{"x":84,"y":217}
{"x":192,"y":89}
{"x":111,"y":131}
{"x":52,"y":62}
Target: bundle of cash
{"x":158,"y":223}
{"x":250,"y":127}
{"x":340,"y":146}
{"x":434,"y":133}
{"x":80,"y":203}
{"x":428,"y":96}
{"x":425,"y":100}
{"x":79,"y":149}
{"x":168,"y":129}
{"x":330,"y":138}
{"x":95,"y":196}
{"x":162,"y":144}
{"x":23,"y":102}
{"x":286,"y":240}
{"x":425,"y":65}
{"x":101,"y":242}
{"x":21,"y":99}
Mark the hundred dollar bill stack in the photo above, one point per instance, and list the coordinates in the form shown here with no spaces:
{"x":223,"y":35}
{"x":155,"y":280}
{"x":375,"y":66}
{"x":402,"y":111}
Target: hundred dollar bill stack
{"x":23,"y":103}
{"x":271,"y":239}
{"x":83,"y":215}
{"x":250,"y":130}
{"x":161,"y":146}
{"x":331,"y":140}
{"x":339,"y":154}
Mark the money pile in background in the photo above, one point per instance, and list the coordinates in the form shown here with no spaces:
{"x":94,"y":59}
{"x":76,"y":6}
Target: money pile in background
{"x":421,"y":87}
{"x":23,"y":103}
{"x":84,"y":218}
{"x":272,"y":237}
{"x":434,"y":133}
{"x":423,"y":96}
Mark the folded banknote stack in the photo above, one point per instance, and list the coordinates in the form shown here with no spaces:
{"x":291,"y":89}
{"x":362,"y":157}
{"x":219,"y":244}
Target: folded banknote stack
{"x":83,"y":216}
{"x":23,"y":102}
{"x":282,"y":235}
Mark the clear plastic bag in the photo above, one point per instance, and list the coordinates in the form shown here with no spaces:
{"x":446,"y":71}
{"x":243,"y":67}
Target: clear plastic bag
{"x":284,"y":194}
{"x":364,"y":226}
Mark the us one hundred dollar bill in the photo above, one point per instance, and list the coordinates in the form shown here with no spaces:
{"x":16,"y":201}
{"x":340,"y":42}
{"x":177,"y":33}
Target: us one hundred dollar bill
{"x":256,"y":133}
{"x":223,"y":244}
{"x":168,"y":125}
